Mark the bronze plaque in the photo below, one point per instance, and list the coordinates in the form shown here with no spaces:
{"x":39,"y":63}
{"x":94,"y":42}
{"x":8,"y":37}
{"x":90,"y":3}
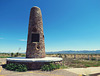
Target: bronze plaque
{"x":35,"y":38}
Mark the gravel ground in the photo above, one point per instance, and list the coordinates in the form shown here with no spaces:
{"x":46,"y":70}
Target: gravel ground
{"x":59,"y":72}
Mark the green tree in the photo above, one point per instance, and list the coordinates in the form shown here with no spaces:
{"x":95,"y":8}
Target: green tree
{"x":12,"y":54}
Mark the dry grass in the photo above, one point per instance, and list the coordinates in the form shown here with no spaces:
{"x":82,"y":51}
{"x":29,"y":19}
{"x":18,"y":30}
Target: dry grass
{"x":6,"y":55}
{"x":79,"y":60}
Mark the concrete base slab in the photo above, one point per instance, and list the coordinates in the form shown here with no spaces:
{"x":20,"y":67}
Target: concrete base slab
{"x":24,"y":59}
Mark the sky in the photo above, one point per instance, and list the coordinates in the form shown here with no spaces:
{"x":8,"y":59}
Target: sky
{"x":67,"y":24}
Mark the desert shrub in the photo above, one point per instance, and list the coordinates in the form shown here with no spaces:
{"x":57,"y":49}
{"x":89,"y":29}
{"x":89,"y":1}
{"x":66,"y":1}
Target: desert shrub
{"x":16,"y":67}
{"x":87,"y":65}
{"x":98,"y":59}
{"x":4,"y":56}
{"x":96,"y":65}
{"x":50,"y":67}
{"x":93,"y":58}
{"x":17,"y":54}
{"x":60,"y":55}
{"x":12,"y":54}
{"x":86,"y":58}
{"x":23,"y":55}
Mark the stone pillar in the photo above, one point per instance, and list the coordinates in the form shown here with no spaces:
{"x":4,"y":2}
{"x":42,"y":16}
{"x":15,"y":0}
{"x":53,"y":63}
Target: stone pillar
{"x":35,"y":41}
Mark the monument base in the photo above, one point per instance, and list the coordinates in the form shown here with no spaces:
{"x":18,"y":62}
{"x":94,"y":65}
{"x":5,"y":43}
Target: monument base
{"x":33,"y":63}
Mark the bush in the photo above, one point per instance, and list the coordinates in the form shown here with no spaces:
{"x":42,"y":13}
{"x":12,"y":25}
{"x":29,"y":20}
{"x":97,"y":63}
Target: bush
{"x":93,"y":58}
{"x":4,"y":56}
{"x":98,"y":59}
{"x":16,"y":67}
{"x":50,"y":67}
{"x":86,"y":58}
{"x":23,"y":55}
{"x":87,"y":65}
{"x":12,"y":54}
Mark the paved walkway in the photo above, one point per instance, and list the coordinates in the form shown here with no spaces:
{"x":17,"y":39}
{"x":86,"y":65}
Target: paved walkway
{"x":85,"y":71}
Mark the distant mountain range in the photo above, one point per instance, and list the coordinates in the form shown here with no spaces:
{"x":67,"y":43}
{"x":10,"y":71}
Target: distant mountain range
{"x":75,"y":52}
{"x":70,"y":52}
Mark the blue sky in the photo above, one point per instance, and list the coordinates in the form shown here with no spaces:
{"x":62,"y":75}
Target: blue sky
{"x":68,"y":24}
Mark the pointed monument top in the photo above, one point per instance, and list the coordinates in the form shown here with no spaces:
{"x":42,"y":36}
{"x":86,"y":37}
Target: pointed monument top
{"x":35,"y":7}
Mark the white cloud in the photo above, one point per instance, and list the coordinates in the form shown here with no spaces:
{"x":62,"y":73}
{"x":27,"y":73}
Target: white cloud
{"x":1,"y":38}
{"x":22,"y":40}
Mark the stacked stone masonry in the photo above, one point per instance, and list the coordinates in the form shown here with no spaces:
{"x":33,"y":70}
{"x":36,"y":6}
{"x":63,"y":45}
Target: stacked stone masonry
{"x":35,"y":41}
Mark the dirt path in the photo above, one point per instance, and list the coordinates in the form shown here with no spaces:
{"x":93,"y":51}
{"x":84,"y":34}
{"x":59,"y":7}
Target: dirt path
{"x":60,"y":72}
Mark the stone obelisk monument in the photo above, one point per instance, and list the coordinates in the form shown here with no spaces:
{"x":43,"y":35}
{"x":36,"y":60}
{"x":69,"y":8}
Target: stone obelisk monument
{"x":35,"y":53}
{"x":35,"y":41}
